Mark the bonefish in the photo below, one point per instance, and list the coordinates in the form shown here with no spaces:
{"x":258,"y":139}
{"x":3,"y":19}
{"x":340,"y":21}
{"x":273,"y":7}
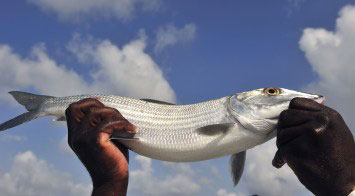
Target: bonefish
{"x":183,"y":133}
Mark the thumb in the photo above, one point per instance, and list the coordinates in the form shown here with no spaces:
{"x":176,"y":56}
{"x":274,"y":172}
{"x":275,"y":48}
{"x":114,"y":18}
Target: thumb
{"x":278,"y":160}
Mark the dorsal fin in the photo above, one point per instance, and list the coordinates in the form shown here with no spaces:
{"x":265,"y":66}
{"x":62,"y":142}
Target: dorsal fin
{"x":237,"y":162}
{"x":157,"y":101}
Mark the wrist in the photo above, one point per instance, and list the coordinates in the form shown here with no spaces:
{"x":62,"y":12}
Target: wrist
{"x":114,"y":188}
{"x":104,"y":176}
{"x":109,"y":180}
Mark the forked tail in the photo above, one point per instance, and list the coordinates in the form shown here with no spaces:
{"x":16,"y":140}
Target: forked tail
{"x":32,"y":103}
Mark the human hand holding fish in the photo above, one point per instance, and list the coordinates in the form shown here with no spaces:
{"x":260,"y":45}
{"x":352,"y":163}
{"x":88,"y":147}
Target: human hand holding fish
{"x":318,"y":146}
{"x":90,"y":125}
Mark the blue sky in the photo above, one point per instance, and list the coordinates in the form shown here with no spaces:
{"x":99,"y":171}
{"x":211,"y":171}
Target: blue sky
{"x":178,"y":51}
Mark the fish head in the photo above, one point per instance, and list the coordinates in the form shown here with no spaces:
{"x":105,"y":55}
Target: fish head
{"x":258,"y":110}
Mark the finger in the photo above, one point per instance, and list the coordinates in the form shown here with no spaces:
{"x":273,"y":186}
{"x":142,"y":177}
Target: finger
{"x":74,"y":113}
{"x":122,"y":148}
{"x":287,"y":135}
{"x":94,"y":116}
{"x":106,"y":119}
{"x":313,"y":128}
{"x":108,"y":127}
{"x":278,"y":161}
{"x":87,"y":103}
{"x":120,"y":127}
{"x":115,"y":121}
{"x":294,"y":117}
{"x":77,"y":110}
{"x":305,"y":104}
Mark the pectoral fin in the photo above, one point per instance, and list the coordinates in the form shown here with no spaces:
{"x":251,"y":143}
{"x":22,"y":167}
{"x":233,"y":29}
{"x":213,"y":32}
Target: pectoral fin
{"x":237,"y":162}
{"x":216,"y":129}
{"x":157,"y":101}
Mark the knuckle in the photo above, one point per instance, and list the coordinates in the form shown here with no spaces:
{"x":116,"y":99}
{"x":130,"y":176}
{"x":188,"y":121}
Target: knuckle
{"x":335,"y":114}
{"x":72,"y":106}
{"x":94,"y":102}
{"x":92,"y":111}
{"x":323,"y":119}
{"x":88,"y":100}
{"x":114,"y":110}
{"x":71,"y":109}
{"x":295,"y":101}
{"x":317,"y":127}
{"x":115,"y":113}
{"x":283,"y":114}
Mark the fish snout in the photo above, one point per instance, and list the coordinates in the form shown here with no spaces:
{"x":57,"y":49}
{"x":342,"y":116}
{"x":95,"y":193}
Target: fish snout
{"x":320,"y":99}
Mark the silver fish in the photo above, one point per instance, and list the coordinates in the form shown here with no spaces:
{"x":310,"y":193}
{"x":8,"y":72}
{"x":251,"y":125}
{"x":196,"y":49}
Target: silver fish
{"x":183,"y":133}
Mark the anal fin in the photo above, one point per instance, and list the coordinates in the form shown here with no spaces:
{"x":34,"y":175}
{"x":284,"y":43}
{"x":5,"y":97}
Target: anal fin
{"x":215,"y":129}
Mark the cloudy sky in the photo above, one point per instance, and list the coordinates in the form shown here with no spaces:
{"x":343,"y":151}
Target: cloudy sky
{"x":176,"y":51}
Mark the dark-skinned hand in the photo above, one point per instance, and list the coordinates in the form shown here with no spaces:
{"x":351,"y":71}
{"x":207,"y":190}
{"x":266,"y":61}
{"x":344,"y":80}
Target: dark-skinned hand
{"x":90,"y":125}
{"x":317,"y":145}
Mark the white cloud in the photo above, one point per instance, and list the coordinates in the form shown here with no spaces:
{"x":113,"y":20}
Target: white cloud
{"x":128,"y":71}
{"x":30,"y":176}
{"x":332,"y":56}
{"x":37,"y":71}
{"x":170,"y":35}
{"x":223,"y":192}
{"x":215,"y":171}
{"x":77,"y":10}
{"x":184,"y":168}
{"x":143,"y":180}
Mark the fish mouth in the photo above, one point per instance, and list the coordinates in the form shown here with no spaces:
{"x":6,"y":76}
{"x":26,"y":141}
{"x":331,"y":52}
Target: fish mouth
{"x":320,"y":99}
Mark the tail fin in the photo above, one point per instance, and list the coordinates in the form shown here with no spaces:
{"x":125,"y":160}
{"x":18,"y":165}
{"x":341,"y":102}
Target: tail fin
{"x":32,"y":103}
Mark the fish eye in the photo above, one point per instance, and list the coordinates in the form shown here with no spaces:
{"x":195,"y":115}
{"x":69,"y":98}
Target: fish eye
{"x":271,"y":91}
